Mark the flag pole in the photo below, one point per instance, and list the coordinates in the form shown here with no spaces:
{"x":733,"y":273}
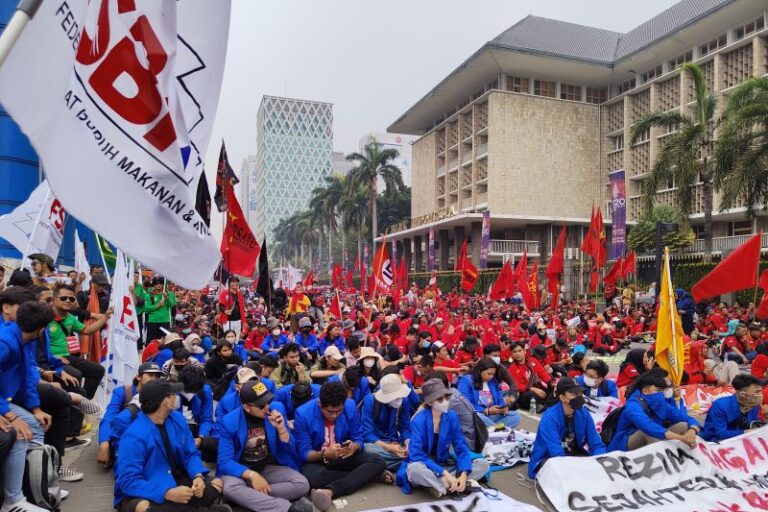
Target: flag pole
{"x":25,"y":11}
{"x":99,"y":240}
{"x":757,"y":282}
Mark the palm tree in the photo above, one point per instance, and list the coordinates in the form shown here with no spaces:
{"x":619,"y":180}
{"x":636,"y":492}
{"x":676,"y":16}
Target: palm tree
{"x":324,"y":204}
{"x":684,"y":156}
{"x":354,"y":208}
{"x":374,"y":163}
{"x":741,"y":171}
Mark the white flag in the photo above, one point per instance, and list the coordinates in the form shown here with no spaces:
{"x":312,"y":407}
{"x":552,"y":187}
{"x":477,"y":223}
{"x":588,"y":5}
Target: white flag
{"x":36,"y":225}
{"x":81,"y":262}
{"x":122,"y":359}
{"x":294,"y":277}
{"x":118,"y":99}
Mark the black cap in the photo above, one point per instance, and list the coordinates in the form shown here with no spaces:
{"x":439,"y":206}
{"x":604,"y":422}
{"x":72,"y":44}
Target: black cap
{"x":154,"y":392}
{"x":150,"y":367}
{"x":567,"y":384}
{"x":255,"y":393}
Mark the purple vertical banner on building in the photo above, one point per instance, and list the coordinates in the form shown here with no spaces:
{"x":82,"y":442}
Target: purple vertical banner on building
{"x":486,"y":240}
{"x":618,"y":214}
{"x":431,"y":260}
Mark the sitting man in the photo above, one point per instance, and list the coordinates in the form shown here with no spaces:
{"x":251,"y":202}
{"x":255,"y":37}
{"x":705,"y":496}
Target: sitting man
{"x":386,"y":419}
{"x":197,"y":408}
{"x":180,"y":360}
{"x":330,"y":443}
{"x":294,"y":396}
{"x":731,"y":415}
{"x":531,"y":377}
{"x":290,"y":370}
{"x":646,"y":413}
{"x":438,"y":455}
{"x":566,"y":428}
{"x":256,"y":459}
{"x":595,"y":382}
{"x":158,"y":466}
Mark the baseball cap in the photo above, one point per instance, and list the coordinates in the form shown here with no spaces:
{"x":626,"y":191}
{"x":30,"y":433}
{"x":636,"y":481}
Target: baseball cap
{"x":245,"y":374}
{"x":150,"y":367}
{"x":255,"y":394}
{"x":567,"y":384}
{"x":154,"y":392}
{"x":333,"y":351}
{"x":42,"y":258}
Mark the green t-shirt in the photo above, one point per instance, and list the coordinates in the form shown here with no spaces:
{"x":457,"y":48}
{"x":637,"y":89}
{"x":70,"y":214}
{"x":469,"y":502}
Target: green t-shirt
{"x":58,"y":330}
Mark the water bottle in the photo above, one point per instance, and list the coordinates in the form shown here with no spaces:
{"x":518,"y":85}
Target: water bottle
{"x":533,"y":406}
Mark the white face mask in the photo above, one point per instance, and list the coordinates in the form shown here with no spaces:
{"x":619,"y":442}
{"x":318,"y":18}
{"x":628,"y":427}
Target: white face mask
{"x":368,"y":362}
{"x":440,"y":406}
{"x":590,"y":382}
{"x":669,"y":393}
{"x":496,"y":359}
{"x":395,"y":404}
{"x":275,"y":332}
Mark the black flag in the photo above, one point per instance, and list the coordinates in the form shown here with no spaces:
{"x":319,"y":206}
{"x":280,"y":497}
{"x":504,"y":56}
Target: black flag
{"x":203,"y":200}
{"x":264,"y":284}
{"x":225,"y":176}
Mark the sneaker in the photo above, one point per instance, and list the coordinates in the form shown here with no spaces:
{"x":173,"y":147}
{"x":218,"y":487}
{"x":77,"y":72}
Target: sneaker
{"x":321,"y":500}
{"x":76,"y":443}
{"x":21,"y":506}
{"x":69,"y":474}
{"x":89,"y":407}
{"x":87,"y":427}
{"x":64,"y":494}
{"x":302,"y":505}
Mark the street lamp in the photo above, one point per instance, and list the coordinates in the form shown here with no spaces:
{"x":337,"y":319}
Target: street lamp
{"x":662,"y":228}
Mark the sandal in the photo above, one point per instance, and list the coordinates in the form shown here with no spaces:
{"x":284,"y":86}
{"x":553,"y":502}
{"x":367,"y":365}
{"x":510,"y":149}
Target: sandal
{"x":386,"y":477}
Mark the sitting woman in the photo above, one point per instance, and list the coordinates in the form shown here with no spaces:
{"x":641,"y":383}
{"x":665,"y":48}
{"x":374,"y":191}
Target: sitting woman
{"x":221,"y":359}
{"x":481,"y":388}
{"x":636,"y":362}
{"x":438,"y":456}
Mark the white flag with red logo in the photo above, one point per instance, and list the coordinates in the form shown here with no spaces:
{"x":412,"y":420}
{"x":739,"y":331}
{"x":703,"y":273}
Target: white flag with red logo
{"x":36,"y":225}
{"x":118,"y":98}
{"x":122,"y":358}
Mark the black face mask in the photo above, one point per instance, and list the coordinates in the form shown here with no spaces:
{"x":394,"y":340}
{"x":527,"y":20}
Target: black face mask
{"x":179,"y":367}
{"x":577,"y":403}
{"x":306,"y":330}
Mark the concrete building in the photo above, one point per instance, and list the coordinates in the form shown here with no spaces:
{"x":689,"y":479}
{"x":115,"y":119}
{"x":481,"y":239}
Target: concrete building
{"x":248,"y":196}
{"x":530,"y":126}
{"x":398,"y":141}
{"x":294,"y":144}
{"x":340,"y":163}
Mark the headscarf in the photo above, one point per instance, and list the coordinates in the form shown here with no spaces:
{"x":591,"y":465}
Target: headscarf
{"x":635,"y":358}
{"x":189,"y":345}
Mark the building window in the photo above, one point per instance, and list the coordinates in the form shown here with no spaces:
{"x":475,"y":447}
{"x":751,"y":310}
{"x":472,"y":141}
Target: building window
{"x":595,"y":96}
{"x":680,"y":60}
{"x":492,"y":85}
{"x":570,"y":92}
{"x":713,"y":45}
{"x":518,"y":84}
{"x":643,"y":137}
{"x":739,"y":228}
{"x":653,"y":73}
{"x":747,"y":29}
{"x":543,"y":88}
{"x":617,"y":143}
{"x":625,"y":86}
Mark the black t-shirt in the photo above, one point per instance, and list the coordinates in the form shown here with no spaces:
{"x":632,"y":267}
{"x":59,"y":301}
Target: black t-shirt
{"x":256,"y":452}
{"x":433,"y":452}
{"x":235,"y":315}
{"x":569,"y":439}
{"x":176,"y":469}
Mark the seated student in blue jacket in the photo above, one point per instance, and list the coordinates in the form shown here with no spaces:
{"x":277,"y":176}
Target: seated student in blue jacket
{"x":231,"y":399}
{"x":595,"y":382}
{"x":121,"y":397}
{"x":386,"y":422}
{"x":730,"y":416}
{"x":566,"y":428}
{"x":354,"y":380}
{"x":294,"y":396}
{"x":330,"y":444}
{"x":274,"y":341}
{"x":438,"y":456}
{"x":158,"y":466}
{"x":197,"y":407}
{"x":647,"y":411}
{"x":257,"y":460}
{"x":481,"y":388}
{"x":306,"y":339}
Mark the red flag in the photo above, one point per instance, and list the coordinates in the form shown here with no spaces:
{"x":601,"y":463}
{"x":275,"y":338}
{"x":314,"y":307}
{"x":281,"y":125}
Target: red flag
{"x":533,"y":287}
{"x":402,"y":273}
{"x":522,"y":282}
{"x":504,"y":285}
{"x":556,"y":261}
{"x":762,"y":310}
{"x":586,"y":244}
{"x":599,"y":252}
{"x":553,"y":285}
{"x":350,"y":284}
{"x":239,"y":248}
{"x":91,"y":344}
{"x":433,"y":279}
{"x":614,"y":274}
{"x":461,"y":257}
{"x":383,"y":272}
{"x":309,"y":280}
{"x":736,"y":272}
{"x":629,"y":266}
{"x":594,"y":278}
{"x":337,"y":278}
{"x":336,"y":306}
{"x":469,"y":275}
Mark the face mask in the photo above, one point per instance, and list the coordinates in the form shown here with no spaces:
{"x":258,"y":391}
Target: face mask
{"x":230,"y":340}
{"x":590,"y":382}
{"x":369,"y":362}
{"x":275,"y":332}
{"x":425,"y":344}
{"x":178,"y":367}
{"x":577,"y":403}
{"x":395,"y":404}
{"x":186,"y":331}
{"x":440,"y":406}
{"x":496,"y":359}
{"x":306,"y":330}
{"x":188,"y":396}
{"x":669,"y":393}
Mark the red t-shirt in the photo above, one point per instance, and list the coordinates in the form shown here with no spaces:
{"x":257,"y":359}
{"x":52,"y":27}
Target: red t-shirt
{"x":409,"y":372}
{"x":446,"y":363}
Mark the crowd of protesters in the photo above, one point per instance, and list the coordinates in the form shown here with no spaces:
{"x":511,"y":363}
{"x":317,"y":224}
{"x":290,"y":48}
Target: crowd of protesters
{"x":294,"y":406}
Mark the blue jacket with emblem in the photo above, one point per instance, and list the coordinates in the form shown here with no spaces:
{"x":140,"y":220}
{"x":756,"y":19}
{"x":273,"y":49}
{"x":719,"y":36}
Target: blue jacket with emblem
{"x":724,"y":419}
{"x":309,"y":427}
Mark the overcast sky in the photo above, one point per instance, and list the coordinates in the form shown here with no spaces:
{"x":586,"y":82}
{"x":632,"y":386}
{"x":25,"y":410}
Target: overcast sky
{"x":372,"y":60}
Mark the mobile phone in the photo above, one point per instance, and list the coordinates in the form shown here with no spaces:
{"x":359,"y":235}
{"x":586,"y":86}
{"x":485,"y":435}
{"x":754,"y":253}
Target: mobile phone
{"x":346,"y":443}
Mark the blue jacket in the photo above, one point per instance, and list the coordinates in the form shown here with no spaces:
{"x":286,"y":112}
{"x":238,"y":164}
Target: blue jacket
{"x":362,"y":390}
{"x":724,"y":418}
{"x":610,"y":386}
{"x":309,"y":342}
{"x":116,"y":403}
{"x":283,"y":396}
{"x":119,"y":424}
{"x":634,"y":418}
{"x":162,"y":356}
{"x":467,"y":388}
{"x":143,"y":468}
{"x":309,"y":428}
{"x":422,"y":439}
{"x":207,"y":343}
{"x":201,"y":406}
{"x":232,"y":436}
{"x":272,"y":345}
{"x":18,"y":367}
{"x":323,"y":344}
{"x":550,"y":435}
{"x":389,"y":425}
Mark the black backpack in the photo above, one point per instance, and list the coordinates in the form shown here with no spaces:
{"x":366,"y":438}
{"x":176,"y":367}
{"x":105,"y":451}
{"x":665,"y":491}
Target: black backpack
{"x":611,"y":422}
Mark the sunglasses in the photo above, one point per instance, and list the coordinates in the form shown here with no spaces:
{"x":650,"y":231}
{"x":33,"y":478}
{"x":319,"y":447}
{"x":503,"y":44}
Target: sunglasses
{"x":67,"y":298}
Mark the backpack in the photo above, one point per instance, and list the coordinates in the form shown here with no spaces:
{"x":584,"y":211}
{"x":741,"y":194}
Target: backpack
{"x":611,"y":422}
{"x":41,"y":477}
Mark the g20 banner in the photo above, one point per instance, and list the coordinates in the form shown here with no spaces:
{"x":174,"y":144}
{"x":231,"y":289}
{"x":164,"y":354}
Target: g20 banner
{"x":730,"y":476}
{"x":618,"y":215}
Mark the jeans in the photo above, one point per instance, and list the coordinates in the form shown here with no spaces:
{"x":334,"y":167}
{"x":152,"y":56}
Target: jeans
{"x":391,"y":460}
{"x":511,"y":419}
{"x":344,"y":476}
{"x":13,"y":466}
{"x":83,"y":369}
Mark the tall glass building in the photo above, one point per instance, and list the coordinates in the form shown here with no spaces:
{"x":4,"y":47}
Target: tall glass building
{"x":294,"y":145}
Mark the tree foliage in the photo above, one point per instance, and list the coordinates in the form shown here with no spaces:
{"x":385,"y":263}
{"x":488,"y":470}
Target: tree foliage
{"x":642,"y":237}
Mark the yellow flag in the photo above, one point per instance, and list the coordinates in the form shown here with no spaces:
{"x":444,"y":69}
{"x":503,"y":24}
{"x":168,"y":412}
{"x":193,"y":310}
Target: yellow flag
{"x":670,"y":353}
